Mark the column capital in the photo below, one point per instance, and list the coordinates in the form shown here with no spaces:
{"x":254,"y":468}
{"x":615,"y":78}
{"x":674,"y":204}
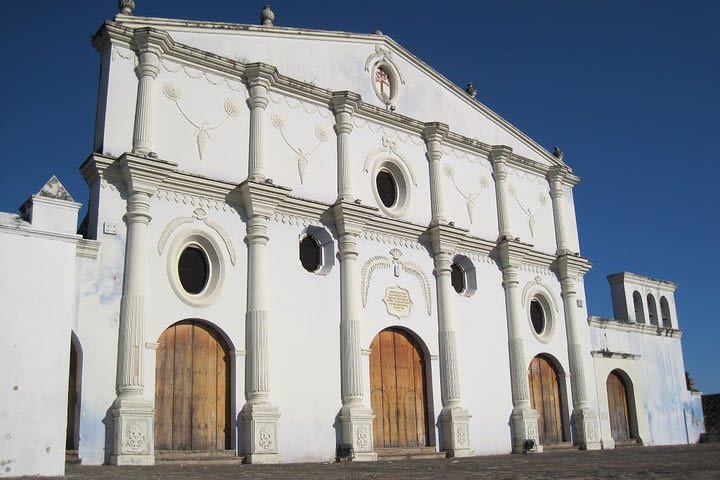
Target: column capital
{"x":144,"y":174}
{"x":260,"y":75}
{"x":351,"y":218}
{"x":345,"y":102}
{"x":500,"y":154}
{"x":150,"y":40}
{"x":572,"y":265}
{"x":511,"y":253}
{"x":261,"y":198}
{"x":435,"y":132}
{"x":446,"y":238}
{"x":557,"y":173}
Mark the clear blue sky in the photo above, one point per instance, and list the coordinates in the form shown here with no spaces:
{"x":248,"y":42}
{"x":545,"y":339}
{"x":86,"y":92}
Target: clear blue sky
{"x":628,"y":89}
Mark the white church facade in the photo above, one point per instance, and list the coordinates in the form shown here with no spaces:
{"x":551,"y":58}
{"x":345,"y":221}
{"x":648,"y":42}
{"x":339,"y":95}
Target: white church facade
{"x":301,"y":244}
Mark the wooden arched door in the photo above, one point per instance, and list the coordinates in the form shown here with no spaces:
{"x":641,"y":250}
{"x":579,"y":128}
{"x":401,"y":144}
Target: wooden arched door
{"x":192,"y":394}
{"x":398,"y":390}
{"x":545,"y":399}
{"x":618,"y":407}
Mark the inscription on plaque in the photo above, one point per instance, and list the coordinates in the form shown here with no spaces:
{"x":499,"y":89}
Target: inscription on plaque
{"x":397,"y":301}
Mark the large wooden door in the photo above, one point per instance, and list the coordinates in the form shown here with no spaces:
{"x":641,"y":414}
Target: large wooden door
{"x":397,"y":386}
{"x":192,"y":403}
{"x":545,"y":399}
{"x":618,"y":407}
{"x":71,"y":437}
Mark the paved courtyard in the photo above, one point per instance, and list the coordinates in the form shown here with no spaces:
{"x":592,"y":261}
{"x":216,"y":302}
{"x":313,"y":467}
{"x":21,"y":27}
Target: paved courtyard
{"x":677,"y":462}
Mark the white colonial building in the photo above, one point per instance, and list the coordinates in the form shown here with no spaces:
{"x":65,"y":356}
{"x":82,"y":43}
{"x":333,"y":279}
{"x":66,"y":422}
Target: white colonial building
{"x":301,"y":241}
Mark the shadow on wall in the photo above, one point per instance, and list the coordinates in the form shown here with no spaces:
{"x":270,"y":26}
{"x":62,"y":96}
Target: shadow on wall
{"x":711,"y":412}
{"x":108,"y":422}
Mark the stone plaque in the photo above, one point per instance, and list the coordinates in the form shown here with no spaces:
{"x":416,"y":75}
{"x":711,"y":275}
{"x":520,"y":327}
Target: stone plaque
{"x":397,"y":301}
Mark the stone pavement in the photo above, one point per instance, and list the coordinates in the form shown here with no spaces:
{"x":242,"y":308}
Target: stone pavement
{"x":656,"y":463}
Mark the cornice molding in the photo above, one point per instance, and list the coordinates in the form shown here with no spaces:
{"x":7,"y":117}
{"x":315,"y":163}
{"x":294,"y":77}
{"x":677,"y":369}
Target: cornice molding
{"x":87,"y":248}
{"x":642,"y":280}
{"x":641,"y":328}
{"x":572,"y":265}
{"x":28,"y":231}
{"x":261,"y":198}
{"x":144,"y":174}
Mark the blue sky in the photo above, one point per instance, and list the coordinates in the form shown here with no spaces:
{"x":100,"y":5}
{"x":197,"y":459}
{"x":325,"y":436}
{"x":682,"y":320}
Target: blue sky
{"x":628,"y":89}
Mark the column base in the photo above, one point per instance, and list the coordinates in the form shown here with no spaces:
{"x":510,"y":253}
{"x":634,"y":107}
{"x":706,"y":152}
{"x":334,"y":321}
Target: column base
{"x":356,"y":424}
{"x":584,"y":422}
{"x":133,"y":439}
{"x":260,"y":425}
{"x":524,"y":427}
{"x":455,"y":432}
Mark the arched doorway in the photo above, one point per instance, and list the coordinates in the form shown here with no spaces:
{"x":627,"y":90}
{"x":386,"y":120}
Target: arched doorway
{"x":398,"y":390}
{"x":546,"y":400}
{"x":192,"y":389}
{"x":618,"y":407}
{"x":73,"y":405}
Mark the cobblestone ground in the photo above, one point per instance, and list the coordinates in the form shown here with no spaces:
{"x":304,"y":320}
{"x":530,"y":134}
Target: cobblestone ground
{"x":640,"y":463}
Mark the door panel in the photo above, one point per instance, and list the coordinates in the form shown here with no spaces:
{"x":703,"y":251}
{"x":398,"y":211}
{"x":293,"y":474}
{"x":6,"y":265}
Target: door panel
{"x":618,"y":408}
{"x":545,"y":399}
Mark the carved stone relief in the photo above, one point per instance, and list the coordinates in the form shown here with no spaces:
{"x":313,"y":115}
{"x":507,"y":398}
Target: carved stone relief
{"x":530,"y":212}
{"x":398,"y":266}
{"x":198,"y":215}
{"x":303,"y":157}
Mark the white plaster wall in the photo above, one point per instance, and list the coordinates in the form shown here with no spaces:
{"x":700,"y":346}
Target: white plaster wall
{"x":37,"y":294}
{"x":481,"y":325}
{"x":304,"y":349}
{"x":116,"y":127}
{"x":339,"y":64}
{"x":570,"y":219}
{"x":530,"y":209}
{"x":661,"y":378}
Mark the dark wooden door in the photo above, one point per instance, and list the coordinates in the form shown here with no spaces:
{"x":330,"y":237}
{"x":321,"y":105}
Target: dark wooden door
{"x":618,"y":407}
{"x":72,"y":405}
{"x":397,"y":386}
{"x":545,"y":399}
{"x":192,"y":378}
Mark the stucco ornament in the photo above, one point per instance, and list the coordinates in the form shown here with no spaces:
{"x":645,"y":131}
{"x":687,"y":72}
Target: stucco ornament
{"x":233,"y":108}
{"x":542,"y":200}
{"x":470,"y":198}
{"x":198,"y":215}
{"x":385,"y":76}
{"x":397,"y":266}
{"x":265,"y":439}
{"x":135,"y":437}
{"x":303,"y":157}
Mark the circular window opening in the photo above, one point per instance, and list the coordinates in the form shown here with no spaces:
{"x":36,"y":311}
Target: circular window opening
{"x":193,"y":269}
{"x":310,"y":254}
{"x":457,"y":278}
{"x":386,"y":188}
{"x":537,"y":317}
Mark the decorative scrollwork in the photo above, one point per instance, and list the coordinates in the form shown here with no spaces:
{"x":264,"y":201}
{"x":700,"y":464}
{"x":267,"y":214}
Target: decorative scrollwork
{"x":302,"y":160}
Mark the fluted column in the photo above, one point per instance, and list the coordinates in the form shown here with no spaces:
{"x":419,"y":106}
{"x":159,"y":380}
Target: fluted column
{"x":132,"y":412}
{"x":356,"y":418}
{"x":524,"y":419}
{"x":149,"y":49}
{"x":259,"y":415}
{"x":584,"y":418}
{"x":344,"y":105}
{"x":454,"y":419}
{"x":434,"y":134}
{"x":258,"y":78}
{"x":499,"y":156}
{"x":555,"y":178}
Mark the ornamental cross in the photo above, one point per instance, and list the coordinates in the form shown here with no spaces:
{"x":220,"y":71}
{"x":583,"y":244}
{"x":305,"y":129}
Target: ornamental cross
{"x":382,"y":79}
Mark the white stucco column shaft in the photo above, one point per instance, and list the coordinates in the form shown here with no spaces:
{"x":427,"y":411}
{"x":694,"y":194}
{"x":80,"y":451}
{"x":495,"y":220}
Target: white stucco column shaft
{"x":555,"y":177}
{"x":434,"y":134}
{"x":256,"y":318}
{"x":344,"y":105}
{"x":499,"y":156}
{"x":258,"y":78}
{"x":147,"y":71}
{"x":131,"y":338}
{"x":516,"y":345}
{"x":449,"y":384}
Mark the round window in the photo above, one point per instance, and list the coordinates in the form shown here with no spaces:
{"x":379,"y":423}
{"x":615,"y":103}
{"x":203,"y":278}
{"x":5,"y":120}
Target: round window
{"x":457,"y":278}
{"x":537,"y":316}
{"x":386,"y":188}
{"x":193,"y":269}
{"x":310,"y":253}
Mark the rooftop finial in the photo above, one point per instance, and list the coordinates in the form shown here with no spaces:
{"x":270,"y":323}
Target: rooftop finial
{"x":471,"y":90}
{"x":557,"y":153}
{"x":125,"y":7}
{"x":267,"y":16}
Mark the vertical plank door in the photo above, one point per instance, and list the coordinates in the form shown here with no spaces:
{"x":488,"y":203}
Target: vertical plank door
{"x":618,"y":407}
{"x":545,"y":399}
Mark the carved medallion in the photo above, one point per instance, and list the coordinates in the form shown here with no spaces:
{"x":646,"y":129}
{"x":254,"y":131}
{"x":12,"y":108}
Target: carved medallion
{"x":397,"y":301}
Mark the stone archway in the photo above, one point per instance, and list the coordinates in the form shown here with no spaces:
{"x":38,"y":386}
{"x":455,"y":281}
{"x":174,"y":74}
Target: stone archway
{"x":192,"y":389}
{"x":398,"y":390}
{"x":545,"y":398}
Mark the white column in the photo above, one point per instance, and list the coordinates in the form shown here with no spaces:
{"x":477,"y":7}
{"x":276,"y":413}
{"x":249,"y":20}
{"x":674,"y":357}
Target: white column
{"x":555,"y":177}
{"x":499,"y":156}
{"x":132,"y":412}
{"x":356,"y":418}
{"x":524,"y":419}
{"x":454,"y":419}
{"x":258,"y":81}
{"x":147,"y":71}
{"x":259,"y":415}
{"x":434,"y":134}
{"x":344,"y":104}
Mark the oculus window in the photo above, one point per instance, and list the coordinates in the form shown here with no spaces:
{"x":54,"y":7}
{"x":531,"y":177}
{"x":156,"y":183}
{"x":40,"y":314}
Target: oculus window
{"x":310,"y":253}
{"x":193,"y":269}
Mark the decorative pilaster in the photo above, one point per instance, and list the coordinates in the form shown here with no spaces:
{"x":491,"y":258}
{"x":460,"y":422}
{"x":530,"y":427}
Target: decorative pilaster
{"x":259,"y":416}
{"x":524,"y":419}
{"x":356,"y":417}
{"x":454,"y":419}
{"x":149,"y":45}
{"x":555,"y":178}
{"x":584,"y":419}
{"x":344,"y":105}
{"x":132,"y":412}
{"x":499,"y":156}
{"x":259,"y":77}
{"x":434,"y":135}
